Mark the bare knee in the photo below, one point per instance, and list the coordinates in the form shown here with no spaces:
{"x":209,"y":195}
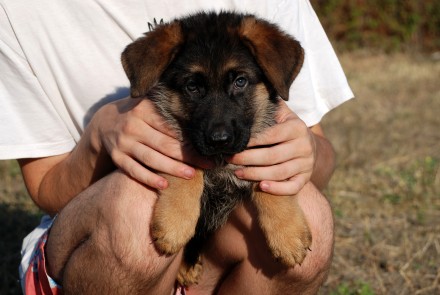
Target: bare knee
{"x":314,"y":270}
{"x":101,"y":241}
{"x":240,"y":244}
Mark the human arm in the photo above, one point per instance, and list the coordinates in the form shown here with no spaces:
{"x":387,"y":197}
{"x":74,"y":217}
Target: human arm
{"x":127,"y":133}
{"x":293,"y":154}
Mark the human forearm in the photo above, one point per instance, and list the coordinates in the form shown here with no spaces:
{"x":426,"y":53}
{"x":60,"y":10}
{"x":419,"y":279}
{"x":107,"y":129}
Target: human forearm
{"x":324,"y":160}
{"x":85,"y":165}
{"x":53,"y":181}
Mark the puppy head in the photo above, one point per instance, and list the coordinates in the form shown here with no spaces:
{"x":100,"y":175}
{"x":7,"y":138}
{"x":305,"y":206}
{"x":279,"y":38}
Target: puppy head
{"x":217,"y":77}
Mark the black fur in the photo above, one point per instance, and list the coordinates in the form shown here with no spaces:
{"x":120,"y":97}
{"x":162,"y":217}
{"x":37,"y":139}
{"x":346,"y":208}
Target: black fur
{"x":216,"y":93}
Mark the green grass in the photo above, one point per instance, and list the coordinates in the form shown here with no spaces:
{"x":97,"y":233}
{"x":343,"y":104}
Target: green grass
{"x":359,"y":288}
{"x":18,"y":216}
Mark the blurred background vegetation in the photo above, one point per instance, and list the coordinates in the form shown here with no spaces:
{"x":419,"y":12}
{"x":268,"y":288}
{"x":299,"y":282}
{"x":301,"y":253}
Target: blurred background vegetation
{"x":386,"y":189}
{"x":385,"y":192}
{"x":386,"y":25}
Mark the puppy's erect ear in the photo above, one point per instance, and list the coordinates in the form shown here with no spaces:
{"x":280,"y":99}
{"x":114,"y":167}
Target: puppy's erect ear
{"x":145,"y":59}
{"x":279,"y":55}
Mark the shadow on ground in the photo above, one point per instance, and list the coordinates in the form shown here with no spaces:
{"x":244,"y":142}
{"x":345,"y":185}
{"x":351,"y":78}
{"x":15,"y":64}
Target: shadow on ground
{"x":15,"y":225}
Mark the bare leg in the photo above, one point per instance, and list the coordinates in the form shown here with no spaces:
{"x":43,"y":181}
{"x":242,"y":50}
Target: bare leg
{"x":100,"y":242}
{"x":238,"y":261}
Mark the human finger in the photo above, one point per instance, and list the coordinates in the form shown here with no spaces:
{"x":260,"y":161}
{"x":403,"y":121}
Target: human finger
{"x":280,"y":132}
{"x":264,"y":156}
{"x":153,"y":118}
{"x":277,"y":154}
{"x":285,"y":188}
{"x":171,"y":147}
{"x":138,"y":172}
{"x":278,"y":172}
{"x":155,"y":153}
{"x":155,"y":160}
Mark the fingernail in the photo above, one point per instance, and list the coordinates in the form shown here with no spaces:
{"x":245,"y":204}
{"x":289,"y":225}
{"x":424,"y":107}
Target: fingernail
{"x":162,"y":184}
{"x":189,"y":173}
{"x":239,"y":173}
{"x":264,"y":186}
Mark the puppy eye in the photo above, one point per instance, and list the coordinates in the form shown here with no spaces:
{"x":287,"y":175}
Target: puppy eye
{"x":240,"y":82}
{"x":192,"y":87}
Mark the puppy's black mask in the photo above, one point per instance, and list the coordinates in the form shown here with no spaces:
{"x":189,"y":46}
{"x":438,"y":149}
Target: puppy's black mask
{"x":217,"y":80}
{"x":216,"y":77}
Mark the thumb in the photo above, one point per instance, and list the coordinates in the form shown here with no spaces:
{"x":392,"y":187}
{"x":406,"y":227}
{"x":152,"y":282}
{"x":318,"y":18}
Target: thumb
{"x":284,"y":113}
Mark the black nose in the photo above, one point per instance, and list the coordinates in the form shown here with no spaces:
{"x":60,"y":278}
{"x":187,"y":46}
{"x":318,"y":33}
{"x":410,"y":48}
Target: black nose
{"x":219,"y":137}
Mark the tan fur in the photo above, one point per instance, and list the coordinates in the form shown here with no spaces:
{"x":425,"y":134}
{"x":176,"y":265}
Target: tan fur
{"x":266,"y":42}
{"x":171,"y":104}
{"x":262,"y":120}
{"x":190,"y":274}
{"x":230,"y":64}
{"x":147,"y":53}
{"x":176,"y":213}
{"x":177,"y":210}
{"x":284,"y":226}
{"x":196,"y":69}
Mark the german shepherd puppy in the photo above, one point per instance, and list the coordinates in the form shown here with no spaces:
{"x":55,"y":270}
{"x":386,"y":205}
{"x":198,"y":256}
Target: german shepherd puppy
{"x":217,"y":79}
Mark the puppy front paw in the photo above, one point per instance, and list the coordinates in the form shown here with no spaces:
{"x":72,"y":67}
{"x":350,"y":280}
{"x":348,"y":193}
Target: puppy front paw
{"x":290,"y":246}
{"x":170,"y":236}
{"x":176,"y":213}
{"x":284,"y":226}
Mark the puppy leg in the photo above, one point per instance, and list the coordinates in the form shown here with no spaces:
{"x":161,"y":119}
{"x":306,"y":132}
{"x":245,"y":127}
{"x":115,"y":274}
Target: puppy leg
{"x":284,"y":226}
{"x":191,"y":267}
{"x":189,"y":274}
{"x":176,"y":213}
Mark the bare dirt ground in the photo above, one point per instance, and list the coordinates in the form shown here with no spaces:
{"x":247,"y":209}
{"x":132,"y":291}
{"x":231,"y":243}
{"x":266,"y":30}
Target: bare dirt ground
{"x":385,"y":192}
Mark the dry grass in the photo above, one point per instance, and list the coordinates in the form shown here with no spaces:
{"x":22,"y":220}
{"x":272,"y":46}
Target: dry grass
{"x":385,"y":192}
{"x":386,"y":189}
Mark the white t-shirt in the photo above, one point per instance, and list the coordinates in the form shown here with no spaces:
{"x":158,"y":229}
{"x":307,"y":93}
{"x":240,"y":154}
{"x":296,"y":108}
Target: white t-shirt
{"x":60,"y":61}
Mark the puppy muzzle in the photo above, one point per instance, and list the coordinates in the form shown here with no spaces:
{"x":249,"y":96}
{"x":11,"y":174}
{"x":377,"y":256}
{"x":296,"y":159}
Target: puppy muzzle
{"x":221,"y":140}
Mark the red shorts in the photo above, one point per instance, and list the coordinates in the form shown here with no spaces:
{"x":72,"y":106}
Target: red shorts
{"x":38,"y":282}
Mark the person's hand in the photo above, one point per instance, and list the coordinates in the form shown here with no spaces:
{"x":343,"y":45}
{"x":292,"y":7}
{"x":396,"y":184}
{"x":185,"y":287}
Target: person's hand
{"x":285,"y":161}
{"x":140,"y":143}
